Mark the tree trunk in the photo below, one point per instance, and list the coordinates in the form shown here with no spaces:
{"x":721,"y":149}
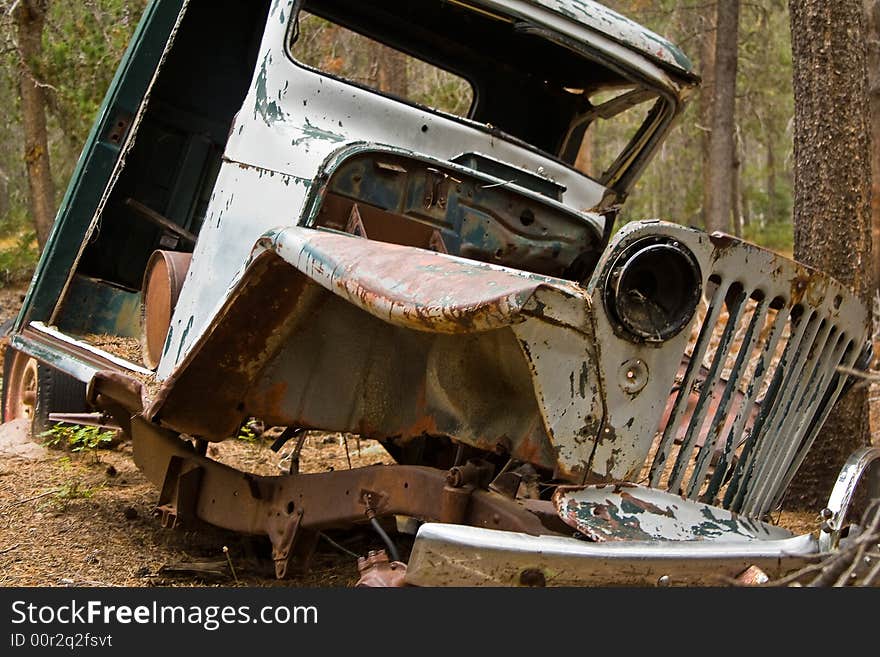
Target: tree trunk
{"x":30,"y":16}
{"x":736,"y":192}
{"x":772,"y":205}
{"x":872,"y":15}
{"x":832,"y":178}
{"x":707,"y":100}
{"x":389,"y":68}
{"x":722,"y":146}
{"x":4,"y":193}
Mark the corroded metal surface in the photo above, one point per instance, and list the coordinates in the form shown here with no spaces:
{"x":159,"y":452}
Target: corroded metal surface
{"x":194,"y":486}
{"x":163,"y":280}
{"x":761,"y":362}
{"x":628,"y":512}
{"x":622,"y":29}
{"x":414,"y":288}
{"x":409,"y":342}
{"x":294,"y":121}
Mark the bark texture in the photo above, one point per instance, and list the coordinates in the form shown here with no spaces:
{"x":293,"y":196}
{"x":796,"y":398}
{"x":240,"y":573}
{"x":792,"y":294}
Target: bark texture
{"x":832,"y":178}
{"x":389,"y":70}
{"x":707,"y":100}
{"x":872,"y":15}
{"x":30,"y":18}
{"x":722,"y":142}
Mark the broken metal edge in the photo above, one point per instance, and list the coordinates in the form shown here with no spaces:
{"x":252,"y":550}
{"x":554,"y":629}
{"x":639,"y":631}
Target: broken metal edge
{"x":455,"y":555}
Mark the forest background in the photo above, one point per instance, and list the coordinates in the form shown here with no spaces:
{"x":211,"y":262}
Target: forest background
{"x":82,"y":42}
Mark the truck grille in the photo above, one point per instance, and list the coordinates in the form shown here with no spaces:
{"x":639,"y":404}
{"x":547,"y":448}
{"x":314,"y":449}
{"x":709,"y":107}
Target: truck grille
{"x":759,"y":381}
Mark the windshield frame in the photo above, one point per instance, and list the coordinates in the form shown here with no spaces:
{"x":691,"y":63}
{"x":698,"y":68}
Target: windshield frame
{"x":627,"y":164}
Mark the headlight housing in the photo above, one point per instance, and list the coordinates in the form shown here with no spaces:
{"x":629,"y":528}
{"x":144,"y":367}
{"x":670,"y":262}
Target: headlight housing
{"x":652,"y":289}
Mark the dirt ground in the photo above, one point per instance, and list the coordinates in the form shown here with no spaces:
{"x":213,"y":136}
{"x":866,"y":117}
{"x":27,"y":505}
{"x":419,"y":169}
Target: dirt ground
{"x":86,"y":519}
{"x":74,"y":519}
{"x":77,"y":520}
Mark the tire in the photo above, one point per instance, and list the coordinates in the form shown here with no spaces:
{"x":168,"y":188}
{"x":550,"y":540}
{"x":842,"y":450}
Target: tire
{"x":33,"y":390}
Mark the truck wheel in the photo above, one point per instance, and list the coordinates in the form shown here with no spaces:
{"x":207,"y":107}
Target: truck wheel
{"x":32,"y":390}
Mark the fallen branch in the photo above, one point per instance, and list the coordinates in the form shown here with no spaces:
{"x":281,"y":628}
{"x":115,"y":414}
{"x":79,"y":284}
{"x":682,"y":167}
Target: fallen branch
{"x":32,"y":499}
{"x":9,"y":549}
{"x":866,"y":375}
{"x":846,"y":566}
{"x":198,"y":568}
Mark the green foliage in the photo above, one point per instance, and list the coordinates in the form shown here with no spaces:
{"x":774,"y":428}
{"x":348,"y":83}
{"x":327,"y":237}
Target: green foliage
{"x":18,"y":258}
{"x":70,"y":490}
{"x":778,"y":236}
{"x":77,"y":438}
{"x":246,"y":435}
{"x":73,"y":490}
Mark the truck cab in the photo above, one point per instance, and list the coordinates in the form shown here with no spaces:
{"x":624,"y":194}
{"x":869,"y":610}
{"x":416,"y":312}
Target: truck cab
{"x":396,"y":219}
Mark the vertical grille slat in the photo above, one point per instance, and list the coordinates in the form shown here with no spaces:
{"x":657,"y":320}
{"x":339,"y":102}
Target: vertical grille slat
{"x":805,"y":409}
{"x":750,"y":339}
{"x":815,"y":416}
{"x":715,"y":307}
{"x":760,"y":380}
{"x":699,"y":414}
{"x":760,"y":441}
{"x":787,"y":409}
{"x":762,"y":368}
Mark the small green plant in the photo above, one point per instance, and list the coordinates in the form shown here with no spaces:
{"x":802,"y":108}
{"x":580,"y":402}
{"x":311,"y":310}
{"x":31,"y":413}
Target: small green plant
{"x":70,"y":490}
{"x":246,"y":434}
{"x":18,"y":257}
{"x":76,"y":437}
{"x":74,"y":490}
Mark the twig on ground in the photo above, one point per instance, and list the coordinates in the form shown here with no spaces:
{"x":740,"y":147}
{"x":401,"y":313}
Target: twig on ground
{"x":868,"y":375}
{"x":231,"y":567}
{"x":842,"y":567}
{"x":9,"y":549}
{"x":31,"y":499}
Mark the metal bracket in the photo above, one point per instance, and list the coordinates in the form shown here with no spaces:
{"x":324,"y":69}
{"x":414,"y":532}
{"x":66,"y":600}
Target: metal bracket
{"x":283,"y":535}
{"x":180,"y":492}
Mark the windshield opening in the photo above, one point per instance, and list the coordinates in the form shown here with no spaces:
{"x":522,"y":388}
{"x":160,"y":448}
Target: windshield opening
{"x":493,"y":69}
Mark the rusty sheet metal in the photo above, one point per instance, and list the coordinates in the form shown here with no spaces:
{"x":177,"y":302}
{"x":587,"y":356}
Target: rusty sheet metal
{"x":426,"y":291}
{"x":621,"y":29}
{"x":454,"y":555}
{"x":628,"y":512}
{"x":414,"y":288}
{"x":396,"y":342}
{"x":196,"y":487}
{"x":755,"y":299}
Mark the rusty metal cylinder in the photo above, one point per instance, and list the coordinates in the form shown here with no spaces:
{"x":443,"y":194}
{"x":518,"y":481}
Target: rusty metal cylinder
{"x":454,"y":504}
{"x":163,"y":280}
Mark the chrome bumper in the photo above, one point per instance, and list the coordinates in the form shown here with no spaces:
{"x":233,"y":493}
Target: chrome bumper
{"x":457,"y":555}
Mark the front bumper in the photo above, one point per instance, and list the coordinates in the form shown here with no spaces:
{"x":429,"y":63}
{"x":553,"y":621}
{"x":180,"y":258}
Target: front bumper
{"x":455,"y":555}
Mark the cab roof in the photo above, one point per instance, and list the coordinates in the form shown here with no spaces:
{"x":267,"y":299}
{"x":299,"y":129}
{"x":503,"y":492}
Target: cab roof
{"x":619,"y":28}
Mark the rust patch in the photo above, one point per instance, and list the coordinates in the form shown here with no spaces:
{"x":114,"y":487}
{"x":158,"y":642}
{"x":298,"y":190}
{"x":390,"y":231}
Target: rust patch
{"x":646,"y":506}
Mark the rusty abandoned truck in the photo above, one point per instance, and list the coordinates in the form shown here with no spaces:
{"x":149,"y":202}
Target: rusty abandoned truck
{"x":564,"y":404}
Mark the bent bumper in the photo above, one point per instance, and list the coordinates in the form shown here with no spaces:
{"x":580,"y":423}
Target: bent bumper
{"x":456,"y":555}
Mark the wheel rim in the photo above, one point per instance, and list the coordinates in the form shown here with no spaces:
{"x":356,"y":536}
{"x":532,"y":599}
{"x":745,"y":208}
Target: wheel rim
{"x":21,"y":398}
